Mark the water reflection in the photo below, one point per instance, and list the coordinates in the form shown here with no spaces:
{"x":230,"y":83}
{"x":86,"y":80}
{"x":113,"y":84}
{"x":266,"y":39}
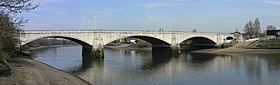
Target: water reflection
{"x":66,"y":58}
{"x":138,"y":67}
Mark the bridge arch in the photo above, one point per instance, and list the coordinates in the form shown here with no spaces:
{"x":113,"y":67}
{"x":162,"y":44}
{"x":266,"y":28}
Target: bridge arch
{"x":84,"y":44}
{"x":199,"y":40}
{"x":152,"y":40}
{"x":229,"y":38}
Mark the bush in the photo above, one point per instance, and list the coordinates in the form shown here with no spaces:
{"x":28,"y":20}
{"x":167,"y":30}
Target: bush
{"x":227,"y":45}
{"x":4,"y":68}
{"x":4,"y":57}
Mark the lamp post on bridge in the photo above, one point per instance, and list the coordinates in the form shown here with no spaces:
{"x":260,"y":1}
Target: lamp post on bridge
{"x":94,"y":15}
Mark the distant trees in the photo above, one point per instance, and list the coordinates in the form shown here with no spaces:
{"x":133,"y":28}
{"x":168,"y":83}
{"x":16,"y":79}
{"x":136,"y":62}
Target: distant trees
{"x":194,"y":30}
{"x":47,"y":42}
{"x":270,"y":27}
{"x":253,"y":29}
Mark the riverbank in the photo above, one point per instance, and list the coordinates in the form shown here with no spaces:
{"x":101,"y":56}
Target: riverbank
{"x":28,"y":51}
{"x":43,"y":47}
{"x":241,"y":48}
{"x":127,"y":47}
{"x":31,"y":72}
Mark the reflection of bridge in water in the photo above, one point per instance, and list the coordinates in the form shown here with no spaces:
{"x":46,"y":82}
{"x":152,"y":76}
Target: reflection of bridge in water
{"x":93,"y":41}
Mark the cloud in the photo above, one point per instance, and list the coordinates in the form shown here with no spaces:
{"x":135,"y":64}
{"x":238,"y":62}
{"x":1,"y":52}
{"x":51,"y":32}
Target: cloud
{"x":182,"y":0}
{"x":158,"y":5}
{"x":104,"y":11}
{"x":274,"y":2}
{"x":61,"y":13}
{"x":51,"y":1}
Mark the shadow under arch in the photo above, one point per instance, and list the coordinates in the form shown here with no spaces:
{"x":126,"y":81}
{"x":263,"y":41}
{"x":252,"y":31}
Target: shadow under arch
{"x":196,"y":43}
{"x":87,"y":56}
{"x":202,"y":40}
{"x":160,"y":47}
{"x":84,"y":44}
{"x":152,"y":40}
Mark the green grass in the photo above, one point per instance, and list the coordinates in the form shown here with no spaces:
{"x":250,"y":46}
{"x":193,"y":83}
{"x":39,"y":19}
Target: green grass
{"x":269,"y":44}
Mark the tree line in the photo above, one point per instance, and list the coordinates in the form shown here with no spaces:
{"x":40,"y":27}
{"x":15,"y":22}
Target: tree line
{"x":252,"y":29}
{"x":47,"y":42}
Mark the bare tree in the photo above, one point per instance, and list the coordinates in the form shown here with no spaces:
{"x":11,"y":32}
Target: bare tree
{"x":16,"y":6}
{"x":249,"y":28}
{"x":253,"y":29}
{"x":257,"y":27}
{"x":270,"y":27}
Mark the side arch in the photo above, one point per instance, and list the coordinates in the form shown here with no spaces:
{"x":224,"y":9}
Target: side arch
{"x":152,"y":40}
{"x":84,"y":44}
{"x":201,"y":40}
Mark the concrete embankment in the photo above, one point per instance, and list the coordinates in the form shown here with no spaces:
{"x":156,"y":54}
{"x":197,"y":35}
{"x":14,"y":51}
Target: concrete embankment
{"x":31,"y":72}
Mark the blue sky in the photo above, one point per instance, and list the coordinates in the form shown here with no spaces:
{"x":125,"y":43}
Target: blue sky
{"x":177,"y":15}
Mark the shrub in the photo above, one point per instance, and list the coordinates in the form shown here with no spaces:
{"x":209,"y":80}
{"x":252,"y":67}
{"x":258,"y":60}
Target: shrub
{"x":4,"y":68}
{"x":4,"y":57}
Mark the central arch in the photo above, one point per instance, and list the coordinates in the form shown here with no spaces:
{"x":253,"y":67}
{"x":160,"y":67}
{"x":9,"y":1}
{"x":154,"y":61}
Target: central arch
{"x":197,"y":43}
{"x":202,"y":41}
{"x":152,"y":40}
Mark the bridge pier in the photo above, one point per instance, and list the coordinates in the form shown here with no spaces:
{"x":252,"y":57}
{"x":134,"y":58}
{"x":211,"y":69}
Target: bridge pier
{"x":175,"y":49}
{"x":164,"y":51}
{"x":90,"y":55}
{"x":92,"y":52}
{"x":98,"y":51}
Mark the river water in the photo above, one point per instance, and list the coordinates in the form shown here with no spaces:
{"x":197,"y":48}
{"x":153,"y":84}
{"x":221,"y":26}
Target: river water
{"x":136,"y":67}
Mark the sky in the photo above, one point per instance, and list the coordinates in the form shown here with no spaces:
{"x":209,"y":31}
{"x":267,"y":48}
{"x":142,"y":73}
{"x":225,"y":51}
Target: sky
{"x":172,"y":15}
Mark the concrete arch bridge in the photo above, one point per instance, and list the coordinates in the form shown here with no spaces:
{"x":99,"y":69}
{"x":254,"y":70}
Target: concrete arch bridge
{"x":94,"y":40}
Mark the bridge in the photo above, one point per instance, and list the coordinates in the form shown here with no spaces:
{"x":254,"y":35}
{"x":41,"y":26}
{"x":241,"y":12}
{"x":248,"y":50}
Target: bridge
{"x":95,"y":40}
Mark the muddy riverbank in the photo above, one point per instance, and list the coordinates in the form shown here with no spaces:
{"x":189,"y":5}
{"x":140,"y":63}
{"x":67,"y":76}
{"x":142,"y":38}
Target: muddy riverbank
{"x":31,"y":72}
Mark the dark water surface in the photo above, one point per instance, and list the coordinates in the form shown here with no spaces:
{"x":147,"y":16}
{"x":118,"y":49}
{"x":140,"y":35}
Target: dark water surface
{"x":134,"y":67}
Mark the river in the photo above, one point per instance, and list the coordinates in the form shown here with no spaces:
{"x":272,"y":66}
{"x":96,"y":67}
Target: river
{"x":136,"y":67}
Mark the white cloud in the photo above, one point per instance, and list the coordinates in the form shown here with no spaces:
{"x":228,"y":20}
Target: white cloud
{"x":51,"y":1}
{"x":104,"y":11}
{"x":274,"y":2}
{"x":158,"y":5}
{"x":182,"y":0}
{"x":61,"y":13}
